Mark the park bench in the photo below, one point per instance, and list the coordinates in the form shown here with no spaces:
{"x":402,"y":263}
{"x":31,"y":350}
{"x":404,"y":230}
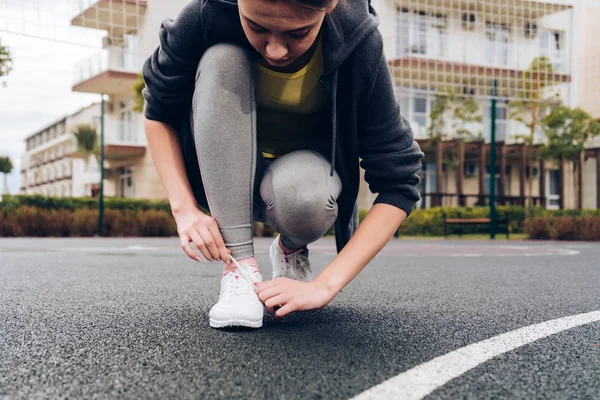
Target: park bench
{"x":502,"y":225}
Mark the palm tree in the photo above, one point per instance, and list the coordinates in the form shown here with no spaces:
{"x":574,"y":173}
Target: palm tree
{"x":6,"y":167}
{"x":87,"y":141}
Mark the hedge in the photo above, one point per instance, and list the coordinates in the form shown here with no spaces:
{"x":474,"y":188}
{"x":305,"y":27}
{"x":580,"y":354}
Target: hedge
{"x":10,"y":203}
{"x":585,"y":226}
{"x":53,"y":216}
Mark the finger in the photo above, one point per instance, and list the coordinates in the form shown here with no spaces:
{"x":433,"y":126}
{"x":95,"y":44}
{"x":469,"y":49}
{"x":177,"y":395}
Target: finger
{"x":274,"y":302}
{"x":200,"y":245}
{"x":285,"y":310}
{"x":185,"y":245}
{"x":264,"y":286}
{"x":267,"y":294}
{"x":210,"y":243}
{"x":216,"y":234}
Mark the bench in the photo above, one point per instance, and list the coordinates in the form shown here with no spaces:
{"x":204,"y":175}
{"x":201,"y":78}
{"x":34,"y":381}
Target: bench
{"x":502,"y":225}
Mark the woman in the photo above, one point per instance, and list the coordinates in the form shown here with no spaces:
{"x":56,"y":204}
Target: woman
{"x":259,"y":110}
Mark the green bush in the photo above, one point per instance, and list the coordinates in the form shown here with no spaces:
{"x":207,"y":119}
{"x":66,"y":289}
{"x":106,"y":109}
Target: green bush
{"x":72,"y":203}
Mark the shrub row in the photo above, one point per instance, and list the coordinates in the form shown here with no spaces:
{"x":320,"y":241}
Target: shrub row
{"x":586,"y":227}
{"x":48,"y":216}
{"x":36,"y":222}
{"x":11,"y":203}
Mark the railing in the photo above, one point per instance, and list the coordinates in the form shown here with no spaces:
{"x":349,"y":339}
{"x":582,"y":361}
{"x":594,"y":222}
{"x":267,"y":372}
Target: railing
{"x":437,"y":199}
{"x":112,"y":58}
{"x":124,"y":133}
{"x":468,"y":49}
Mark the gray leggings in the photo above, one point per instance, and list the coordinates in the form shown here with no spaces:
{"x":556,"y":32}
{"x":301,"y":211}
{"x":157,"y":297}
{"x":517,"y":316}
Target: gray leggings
{"x":294,"y":194}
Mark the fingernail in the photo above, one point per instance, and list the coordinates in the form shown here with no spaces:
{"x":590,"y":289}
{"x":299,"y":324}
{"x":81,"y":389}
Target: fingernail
{"x":198,"y":259}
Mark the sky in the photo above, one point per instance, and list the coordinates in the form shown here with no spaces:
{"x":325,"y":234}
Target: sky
{"x":38,"y":90}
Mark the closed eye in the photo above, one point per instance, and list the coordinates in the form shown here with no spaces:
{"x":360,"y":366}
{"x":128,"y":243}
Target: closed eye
{"x":299,"y":35}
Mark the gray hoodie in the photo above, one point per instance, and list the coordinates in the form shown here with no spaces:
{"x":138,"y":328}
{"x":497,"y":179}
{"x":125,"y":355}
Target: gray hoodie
{"x":366,"y":122}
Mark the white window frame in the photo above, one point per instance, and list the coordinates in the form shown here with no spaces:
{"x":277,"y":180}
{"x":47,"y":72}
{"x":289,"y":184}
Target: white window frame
{"x":123,"y":174}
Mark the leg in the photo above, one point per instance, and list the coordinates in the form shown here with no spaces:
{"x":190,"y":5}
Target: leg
{"x":224,"y":126}
{"x":300,"y":197}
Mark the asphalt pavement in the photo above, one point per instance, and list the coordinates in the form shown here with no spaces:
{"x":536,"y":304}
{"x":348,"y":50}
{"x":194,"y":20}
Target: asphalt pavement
{"x":128,"y":319}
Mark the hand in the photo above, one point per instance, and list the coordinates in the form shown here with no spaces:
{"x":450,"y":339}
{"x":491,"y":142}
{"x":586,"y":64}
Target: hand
{"x":293,"y":295}
{"x":195,"y":226}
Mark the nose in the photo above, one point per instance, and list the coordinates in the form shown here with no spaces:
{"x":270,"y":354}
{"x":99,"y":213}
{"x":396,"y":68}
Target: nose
{"x":276,"y":50}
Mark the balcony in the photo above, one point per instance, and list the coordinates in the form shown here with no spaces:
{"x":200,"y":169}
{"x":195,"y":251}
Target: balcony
{"x":123,"y":139}
{"x":477,"y":51}
{"x":117,"y":17}
{"x":112,"y":71}
{"x":470,"y":64}
{"x":518,"y":8}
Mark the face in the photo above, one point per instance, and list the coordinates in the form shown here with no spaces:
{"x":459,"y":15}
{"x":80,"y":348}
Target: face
{"x":281,"y":31}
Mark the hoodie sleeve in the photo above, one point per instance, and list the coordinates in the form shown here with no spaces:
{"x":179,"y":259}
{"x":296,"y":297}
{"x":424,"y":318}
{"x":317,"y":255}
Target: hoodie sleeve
{"x":390,"y":157}
{"x":169,"y":73}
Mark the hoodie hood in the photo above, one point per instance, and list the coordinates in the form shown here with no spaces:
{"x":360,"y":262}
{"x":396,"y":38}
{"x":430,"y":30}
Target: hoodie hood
{"x":346,"y":28}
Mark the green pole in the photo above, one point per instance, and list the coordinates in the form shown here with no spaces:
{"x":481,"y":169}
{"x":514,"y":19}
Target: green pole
{"x":493,"y":164}
{"x":101,"y":200}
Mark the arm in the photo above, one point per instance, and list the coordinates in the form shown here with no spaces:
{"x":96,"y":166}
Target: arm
{"x":170,"y":72}
{"x":391,"y":160}
{"x":192,"y":224}
{"x":167,"y":157}
{"x":169,"y":75}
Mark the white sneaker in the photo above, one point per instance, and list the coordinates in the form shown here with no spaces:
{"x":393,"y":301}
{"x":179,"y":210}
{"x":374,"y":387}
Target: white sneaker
{"x":295,"y":266}
{"x":238,"y":303}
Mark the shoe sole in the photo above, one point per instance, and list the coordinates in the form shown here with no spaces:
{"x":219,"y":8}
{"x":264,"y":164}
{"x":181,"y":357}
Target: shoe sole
{"x":231,"y":323}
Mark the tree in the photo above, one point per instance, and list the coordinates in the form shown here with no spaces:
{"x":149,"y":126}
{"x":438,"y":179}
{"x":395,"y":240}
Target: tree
{"x":6,"y":167}
{"x":533,"y":104}
{"x":138,"y":87}
{"x":567,"y":131}
{"x":5,"y":60}
{"x":87,"y":141}
{"x":451,"y":116}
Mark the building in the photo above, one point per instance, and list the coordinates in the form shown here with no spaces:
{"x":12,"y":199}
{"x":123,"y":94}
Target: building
{"x":433,"y":46}
{"x":462,"y":47}
{"x":113,"y":72}
{"x":51,"y":166}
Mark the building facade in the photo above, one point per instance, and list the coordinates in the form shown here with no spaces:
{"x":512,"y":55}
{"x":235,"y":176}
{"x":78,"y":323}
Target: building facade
{"x":51,"y":166}
{"x":433,"y":46}
{"x":461,"y":47}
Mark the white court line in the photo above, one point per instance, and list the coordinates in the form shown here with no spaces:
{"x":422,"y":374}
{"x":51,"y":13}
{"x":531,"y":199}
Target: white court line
{"x":423,"y":379}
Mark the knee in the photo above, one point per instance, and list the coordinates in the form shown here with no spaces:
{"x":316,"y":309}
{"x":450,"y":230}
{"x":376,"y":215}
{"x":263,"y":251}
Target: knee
{"x":301,"y":195}
{"x":224,"y":59}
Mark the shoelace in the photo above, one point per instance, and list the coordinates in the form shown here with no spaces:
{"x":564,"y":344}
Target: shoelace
{"x":245,"y":271}
{"x":299,"y":263}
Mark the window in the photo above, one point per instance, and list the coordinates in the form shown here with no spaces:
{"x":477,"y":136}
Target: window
{"x":416,"y":105}
{"x":497,"y":43}
{"x":531,"y":30}
{"x":468,"y":21}
{"x":428,"y":184}
{"x":502,"y":120}
{"x":126,"y":186}
{"x":551,"y":46}
{"x":553,"y":189}
{"x":421,"y":33}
